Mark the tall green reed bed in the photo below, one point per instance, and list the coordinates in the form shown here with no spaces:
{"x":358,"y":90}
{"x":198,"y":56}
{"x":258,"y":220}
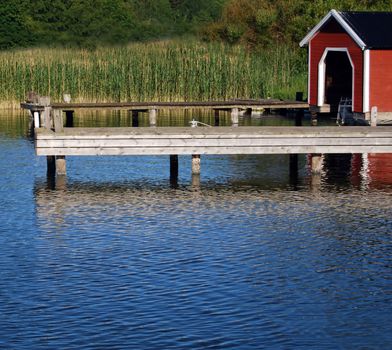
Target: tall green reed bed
{"x":165,"y":71}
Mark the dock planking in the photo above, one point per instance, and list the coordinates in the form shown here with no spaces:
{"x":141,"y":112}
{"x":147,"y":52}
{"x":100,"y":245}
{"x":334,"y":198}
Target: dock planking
{"x":145,"y":106}
{"x":214,"y":140}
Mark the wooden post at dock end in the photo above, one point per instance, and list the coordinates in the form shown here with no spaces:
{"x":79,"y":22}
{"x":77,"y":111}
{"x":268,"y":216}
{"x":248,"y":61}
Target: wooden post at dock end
{"x":152,"y":117}
{"x":216,"y":116}
{"x":47,"y":118}
{"x":234,"y":116}
{"x":174,"y":170}
{"x":58,"y":120}
{"x":135,"y":119}
{"x":196,"y":164}
{"x":61,"y":168}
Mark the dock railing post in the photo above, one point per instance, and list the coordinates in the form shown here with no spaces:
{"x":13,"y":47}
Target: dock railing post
{"x":69,"y":114}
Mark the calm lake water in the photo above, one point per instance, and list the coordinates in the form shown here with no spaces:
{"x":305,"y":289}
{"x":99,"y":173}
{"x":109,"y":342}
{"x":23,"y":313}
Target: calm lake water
{"x":252,"y":256}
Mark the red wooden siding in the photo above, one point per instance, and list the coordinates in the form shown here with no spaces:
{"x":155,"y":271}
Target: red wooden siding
{"x":381,"y":80}
{"x":317,"y":46}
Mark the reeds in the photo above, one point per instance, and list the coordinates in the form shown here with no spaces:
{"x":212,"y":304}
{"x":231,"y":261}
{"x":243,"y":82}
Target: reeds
{"x":164,"y":71}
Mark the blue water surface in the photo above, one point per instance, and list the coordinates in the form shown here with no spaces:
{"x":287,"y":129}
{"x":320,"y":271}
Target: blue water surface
{"x":114,"y":256}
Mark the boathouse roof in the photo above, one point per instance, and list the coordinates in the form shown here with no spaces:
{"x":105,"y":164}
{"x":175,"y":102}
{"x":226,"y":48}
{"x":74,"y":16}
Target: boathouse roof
{"x":370,"y":30}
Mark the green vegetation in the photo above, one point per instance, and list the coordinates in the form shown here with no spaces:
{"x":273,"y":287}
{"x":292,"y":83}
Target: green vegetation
{"x":93,"y":48}
{"x":264,"y":22}
{"x":154,"y":71}
{"x":91,"y":23}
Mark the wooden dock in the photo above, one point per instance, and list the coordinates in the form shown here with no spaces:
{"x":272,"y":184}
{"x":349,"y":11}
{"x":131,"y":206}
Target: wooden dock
{"x":146,"y":106}
{"x":56,"y":142}
{"x":212,"y":140}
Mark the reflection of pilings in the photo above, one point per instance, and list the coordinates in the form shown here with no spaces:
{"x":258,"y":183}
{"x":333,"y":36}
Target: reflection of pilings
{"x":196,"y":181}
{"x":51,"y":166}
{"x":174,"y":171}
{"x":293,"y":169}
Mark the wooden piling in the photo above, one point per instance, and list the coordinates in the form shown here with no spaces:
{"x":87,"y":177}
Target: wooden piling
{"x":58,"y":120}
{"x":174,"y":171}
{"x":69,"y":118}
{"x":234,"y":116}
{"x":47,"y":118}
{"x":173,"y":166}
{"x":152,"y":116}
{"x":216,"y":116}
{"x":196,"y":164}
{"x":61,"y":168}
{"x":316,"y":163}
{"x":135,"y":119}
{"x":313,"y":118}
{"x":51,"y":165}
{"x":299,"y":114}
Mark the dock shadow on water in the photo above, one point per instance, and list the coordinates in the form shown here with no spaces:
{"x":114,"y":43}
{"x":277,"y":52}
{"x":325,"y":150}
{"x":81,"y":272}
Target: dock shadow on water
{"x":251,"y":255}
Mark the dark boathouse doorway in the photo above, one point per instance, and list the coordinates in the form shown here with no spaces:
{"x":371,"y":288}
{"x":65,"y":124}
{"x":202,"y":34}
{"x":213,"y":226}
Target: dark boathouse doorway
{"x":338,"y":77}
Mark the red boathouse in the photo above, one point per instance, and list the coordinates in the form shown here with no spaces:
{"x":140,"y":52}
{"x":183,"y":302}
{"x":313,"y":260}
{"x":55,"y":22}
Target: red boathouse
{"x":350,"y":56}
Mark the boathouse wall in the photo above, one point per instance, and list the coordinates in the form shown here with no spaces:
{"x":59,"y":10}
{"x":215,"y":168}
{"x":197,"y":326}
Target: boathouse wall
{"x":323,"y":41}
{"x":381,"y":79}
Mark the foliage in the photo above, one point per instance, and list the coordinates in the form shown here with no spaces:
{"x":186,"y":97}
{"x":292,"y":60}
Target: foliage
{"x":90,"y":23}
{"x":262,"y":22}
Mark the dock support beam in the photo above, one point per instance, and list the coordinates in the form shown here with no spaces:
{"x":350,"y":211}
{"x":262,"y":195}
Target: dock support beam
{"x":196,"y":164}
{"x":152,"y":117}
{"x":234,"y":116}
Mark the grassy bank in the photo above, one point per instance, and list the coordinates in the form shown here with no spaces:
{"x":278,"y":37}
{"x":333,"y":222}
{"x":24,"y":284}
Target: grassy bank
{"x":155,"y":71}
